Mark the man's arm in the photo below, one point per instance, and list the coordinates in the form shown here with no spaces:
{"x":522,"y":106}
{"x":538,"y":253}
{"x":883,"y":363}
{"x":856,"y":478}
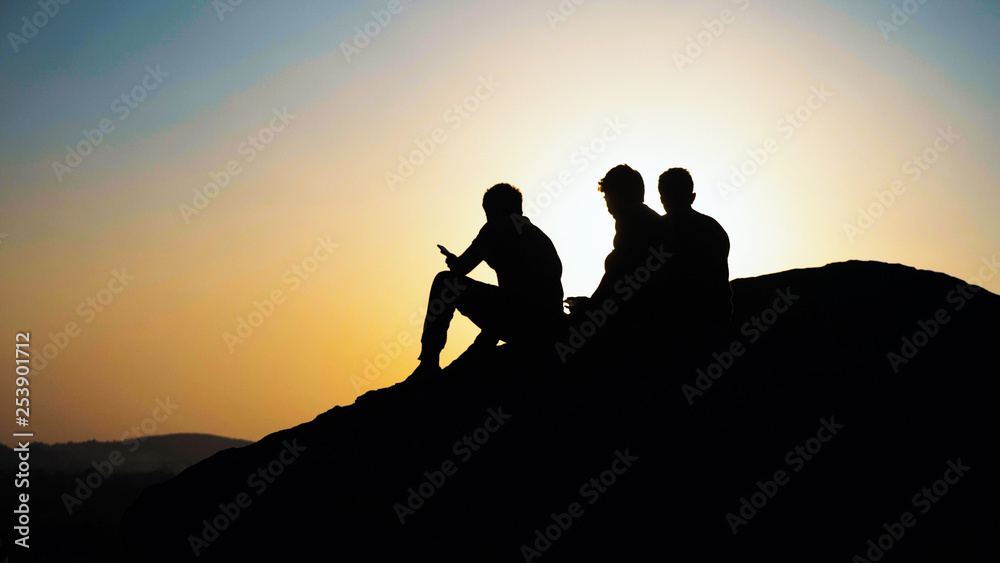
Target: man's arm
{"x":605,"y":289}
{"x":469,"y":259}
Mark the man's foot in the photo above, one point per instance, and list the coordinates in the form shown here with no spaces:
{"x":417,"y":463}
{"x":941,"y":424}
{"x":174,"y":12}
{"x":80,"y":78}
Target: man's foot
{"x":425,"y":371}
{"x":484,"y":342}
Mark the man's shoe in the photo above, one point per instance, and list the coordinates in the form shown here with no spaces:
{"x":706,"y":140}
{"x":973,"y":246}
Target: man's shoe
{"x":425,"y":371}
{"x":483,"y":343}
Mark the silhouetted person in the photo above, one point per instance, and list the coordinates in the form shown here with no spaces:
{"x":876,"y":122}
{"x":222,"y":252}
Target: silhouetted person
{"x":700,"y":297}
{"x":638,"y":234}
{"x":525,"y":306}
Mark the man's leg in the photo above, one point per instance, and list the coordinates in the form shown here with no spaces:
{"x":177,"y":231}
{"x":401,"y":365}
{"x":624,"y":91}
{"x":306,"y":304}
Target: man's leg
{"x":488,"y":311}
{"x":449,"y":291}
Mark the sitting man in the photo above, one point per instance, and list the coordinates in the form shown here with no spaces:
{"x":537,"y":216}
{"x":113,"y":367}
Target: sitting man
{"x":525,"y":306}
{"x":700,"y":297}
{"x":638,"y":233}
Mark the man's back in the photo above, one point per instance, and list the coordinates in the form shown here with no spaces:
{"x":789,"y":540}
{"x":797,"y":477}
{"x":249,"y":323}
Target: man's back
{"x":527,"y":265}
{"x":700,"y":263}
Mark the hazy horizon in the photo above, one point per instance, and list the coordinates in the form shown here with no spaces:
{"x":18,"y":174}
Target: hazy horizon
{"x":320,"y":232}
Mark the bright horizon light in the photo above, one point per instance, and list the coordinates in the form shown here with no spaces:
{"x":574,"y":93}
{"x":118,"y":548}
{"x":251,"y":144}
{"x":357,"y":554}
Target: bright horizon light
{"x":531,"y":90}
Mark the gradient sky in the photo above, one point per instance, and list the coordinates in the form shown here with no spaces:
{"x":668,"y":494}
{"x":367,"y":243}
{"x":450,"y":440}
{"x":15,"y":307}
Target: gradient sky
{"x":556,"y":84}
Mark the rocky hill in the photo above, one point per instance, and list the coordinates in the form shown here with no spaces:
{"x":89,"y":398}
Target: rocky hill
{"x":848,"y":416}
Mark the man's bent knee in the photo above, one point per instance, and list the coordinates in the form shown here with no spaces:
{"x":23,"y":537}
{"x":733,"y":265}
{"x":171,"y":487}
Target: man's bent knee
{"x":448,"y":287}
{"x":442,"y":277}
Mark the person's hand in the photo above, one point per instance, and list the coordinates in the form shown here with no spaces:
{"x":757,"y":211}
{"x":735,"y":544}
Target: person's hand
{"x":576,"y":304}
{"x":449,"y":258}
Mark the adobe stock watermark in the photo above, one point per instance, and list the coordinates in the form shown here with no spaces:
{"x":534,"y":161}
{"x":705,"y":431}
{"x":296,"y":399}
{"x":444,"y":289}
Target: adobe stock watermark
{"x":787,"y":126}
{"x":375,"y":366}
{"x":223,"y":7}
{"x":465,"y":449}
{"x":86,"y":486}
{"x":796,"y":459}
{"x":591,"y":491}
{"x":562,"y":12}
{"x":582,"y":158}
{"x":957,"y":298}
{"x":900,"y":15}
{"x":249,"y":149}
{"x":293,"y":277}
{"x":259,"y":481}
{"x":363,"y":35}
{"x":455,"y":116}
{"x":914,"y":168}
{"x":925,"y":499}
{"x":392,"y":349}
{"x":121,"y":106}
{"x":596,"y":317}
{"x":753,"y":330}
{"x":30,"y":27}
{"x":702,"y":40}
{"x":88,"y":310}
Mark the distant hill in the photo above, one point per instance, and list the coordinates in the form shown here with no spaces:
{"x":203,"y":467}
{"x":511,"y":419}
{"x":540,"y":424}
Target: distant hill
{"x":75,"y":510}
{"x":853,"y":420}
{"x":169,"y":453}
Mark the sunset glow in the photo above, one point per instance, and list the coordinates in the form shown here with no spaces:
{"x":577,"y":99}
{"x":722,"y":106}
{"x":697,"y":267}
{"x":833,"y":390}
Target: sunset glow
{"x":267,"y":167}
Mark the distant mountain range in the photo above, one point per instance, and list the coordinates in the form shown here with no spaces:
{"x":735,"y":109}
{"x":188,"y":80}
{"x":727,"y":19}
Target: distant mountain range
{"x":76,"y":507}
{"x":170,"y":453}
{"x":848,"y":416}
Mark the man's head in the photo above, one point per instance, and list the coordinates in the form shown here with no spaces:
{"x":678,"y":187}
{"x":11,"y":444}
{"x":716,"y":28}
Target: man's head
{"x":676,"y":190}
{"x":501,"y":202}
{"x":622,"y":188}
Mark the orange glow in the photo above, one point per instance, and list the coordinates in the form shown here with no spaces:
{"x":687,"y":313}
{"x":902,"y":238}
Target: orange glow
{"x":324,"y":176}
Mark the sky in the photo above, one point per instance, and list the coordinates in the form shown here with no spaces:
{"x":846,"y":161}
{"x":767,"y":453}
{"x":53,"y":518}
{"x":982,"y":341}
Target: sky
{"x":221,"y":216}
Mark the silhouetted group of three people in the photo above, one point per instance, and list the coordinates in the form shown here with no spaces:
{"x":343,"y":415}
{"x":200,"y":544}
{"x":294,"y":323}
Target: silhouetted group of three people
{"x":667,"y":275}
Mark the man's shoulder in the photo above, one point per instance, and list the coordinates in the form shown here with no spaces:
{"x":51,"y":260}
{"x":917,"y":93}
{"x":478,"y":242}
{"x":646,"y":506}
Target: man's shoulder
{"x":714,"y":229}
{"x":524,"y":226}
{"x":694,"y":222}
{"x":638,"y":219}
{"x":706,"y":221}
{"x":648,"y":213}
{"x":500,"y":229}
{"x":525,"y":231}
